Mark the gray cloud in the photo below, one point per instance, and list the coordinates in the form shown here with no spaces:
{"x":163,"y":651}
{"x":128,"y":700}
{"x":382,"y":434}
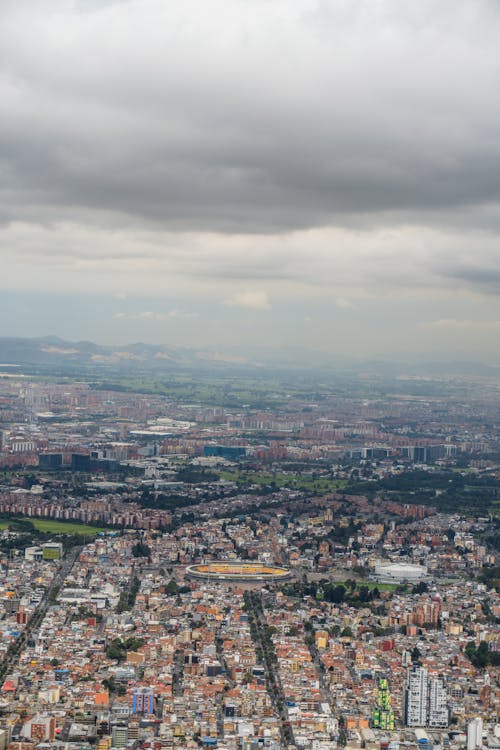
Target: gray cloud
{"x":342,"y":262}
{"x":248,"y":118}
{"x":299,"y":173}
{"x":487,"y":279}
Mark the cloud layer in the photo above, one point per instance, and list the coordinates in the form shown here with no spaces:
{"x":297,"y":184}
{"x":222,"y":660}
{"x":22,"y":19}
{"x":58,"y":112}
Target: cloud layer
{"x":248,"y":116}
{"x":252,"y":154}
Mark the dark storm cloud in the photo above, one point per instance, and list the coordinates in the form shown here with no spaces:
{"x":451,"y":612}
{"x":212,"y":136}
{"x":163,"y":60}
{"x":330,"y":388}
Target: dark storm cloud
{"x":248,"y":117}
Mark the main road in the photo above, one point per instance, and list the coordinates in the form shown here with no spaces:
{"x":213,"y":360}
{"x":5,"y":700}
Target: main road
{"x":273,"y":679}
{"x":16,"y":647}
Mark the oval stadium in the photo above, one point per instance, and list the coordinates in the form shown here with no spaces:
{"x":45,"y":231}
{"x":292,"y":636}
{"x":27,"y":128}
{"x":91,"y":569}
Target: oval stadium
{"x":237,"y":571}
{"x":398,"y":572}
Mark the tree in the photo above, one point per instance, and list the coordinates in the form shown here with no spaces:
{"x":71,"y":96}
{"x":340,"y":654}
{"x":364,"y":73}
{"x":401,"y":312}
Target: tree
{"x":421,"y":588}
{"x":141,"y":550}
{"x":479,"y":656}
{"x":109,"y":683}
{"x":365,"y":594}
{"x":337,"y":595}
{"x":172,"y":588}
{"x":115,"y":650}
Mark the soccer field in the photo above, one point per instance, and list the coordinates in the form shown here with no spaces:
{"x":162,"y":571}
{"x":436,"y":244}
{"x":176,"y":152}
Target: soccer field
{"x":55,"y":527}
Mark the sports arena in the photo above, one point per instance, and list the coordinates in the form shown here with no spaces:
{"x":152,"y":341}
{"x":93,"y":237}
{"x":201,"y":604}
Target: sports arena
{"x":237,"y":571}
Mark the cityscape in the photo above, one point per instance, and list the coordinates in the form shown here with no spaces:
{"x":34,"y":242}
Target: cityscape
{"x":249,"y":375}
{"x":315,"y":571}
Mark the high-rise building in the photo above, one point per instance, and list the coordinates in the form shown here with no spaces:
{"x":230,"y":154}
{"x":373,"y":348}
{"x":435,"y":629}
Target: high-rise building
{"x":426,"y":700}
{"x":439,"y":714}
{"x":383,"y":715}
{"x":416,"y":697}
{"x":475,"y":734}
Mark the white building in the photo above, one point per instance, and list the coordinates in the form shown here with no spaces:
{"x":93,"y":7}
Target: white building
{"x":439,"y":715}
{"x":396,"y":572}
{"x":426,"y":700}
{"x":416,"y":697}
{"x":475,"y":734}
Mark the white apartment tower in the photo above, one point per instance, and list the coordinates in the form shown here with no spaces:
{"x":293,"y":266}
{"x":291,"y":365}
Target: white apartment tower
{"x":416,"y":697}
{"x":426,"y":701}
{"x":439,"y":715}
{"x":475,"y":734}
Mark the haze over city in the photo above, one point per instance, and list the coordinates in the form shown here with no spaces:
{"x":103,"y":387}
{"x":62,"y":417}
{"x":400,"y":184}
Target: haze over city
{"x":239,"y":175}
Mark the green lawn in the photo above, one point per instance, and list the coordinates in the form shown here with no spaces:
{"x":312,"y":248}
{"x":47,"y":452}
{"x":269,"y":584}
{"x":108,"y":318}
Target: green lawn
{"x":293,"y":481}
{"x":55,"y":527}
{"x":379,"y":586}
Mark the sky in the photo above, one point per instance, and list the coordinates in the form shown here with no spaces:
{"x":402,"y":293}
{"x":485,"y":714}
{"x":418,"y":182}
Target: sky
{"x":309,"y":174}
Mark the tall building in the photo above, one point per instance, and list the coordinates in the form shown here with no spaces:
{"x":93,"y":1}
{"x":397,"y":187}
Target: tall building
{"x":143,"y":701}
{"x":416,"y":697}
{"x":120,"y":736}
{"x":439,"y":714}
{"x":475,"y":734}
{"x":383,"y":716}
{"x":426,"y":700}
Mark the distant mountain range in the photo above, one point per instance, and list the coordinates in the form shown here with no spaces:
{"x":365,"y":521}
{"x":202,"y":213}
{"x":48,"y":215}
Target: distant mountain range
{"x":51,"y":351}
{"x":52,"y":354}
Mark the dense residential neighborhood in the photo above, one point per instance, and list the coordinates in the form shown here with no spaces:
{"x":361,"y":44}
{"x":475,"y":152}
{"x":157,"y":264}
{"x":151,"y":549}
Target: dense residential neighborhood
{"x":178,"y":576}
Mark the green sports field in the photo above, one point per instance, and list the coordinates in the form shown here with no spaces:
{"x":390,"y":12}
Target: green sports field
{"x":292,"y":481}
{"x":55,"y":527}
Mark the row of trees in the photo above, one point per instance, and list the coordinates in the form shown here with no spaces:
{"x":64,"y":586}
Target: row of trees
{"x":127,"y":597}
{"x":329,"y":591}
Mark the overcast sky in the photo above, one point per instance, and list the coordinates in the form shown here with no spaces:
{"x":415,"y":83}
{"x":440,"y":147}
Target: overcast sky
{"x":307,"y":173}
